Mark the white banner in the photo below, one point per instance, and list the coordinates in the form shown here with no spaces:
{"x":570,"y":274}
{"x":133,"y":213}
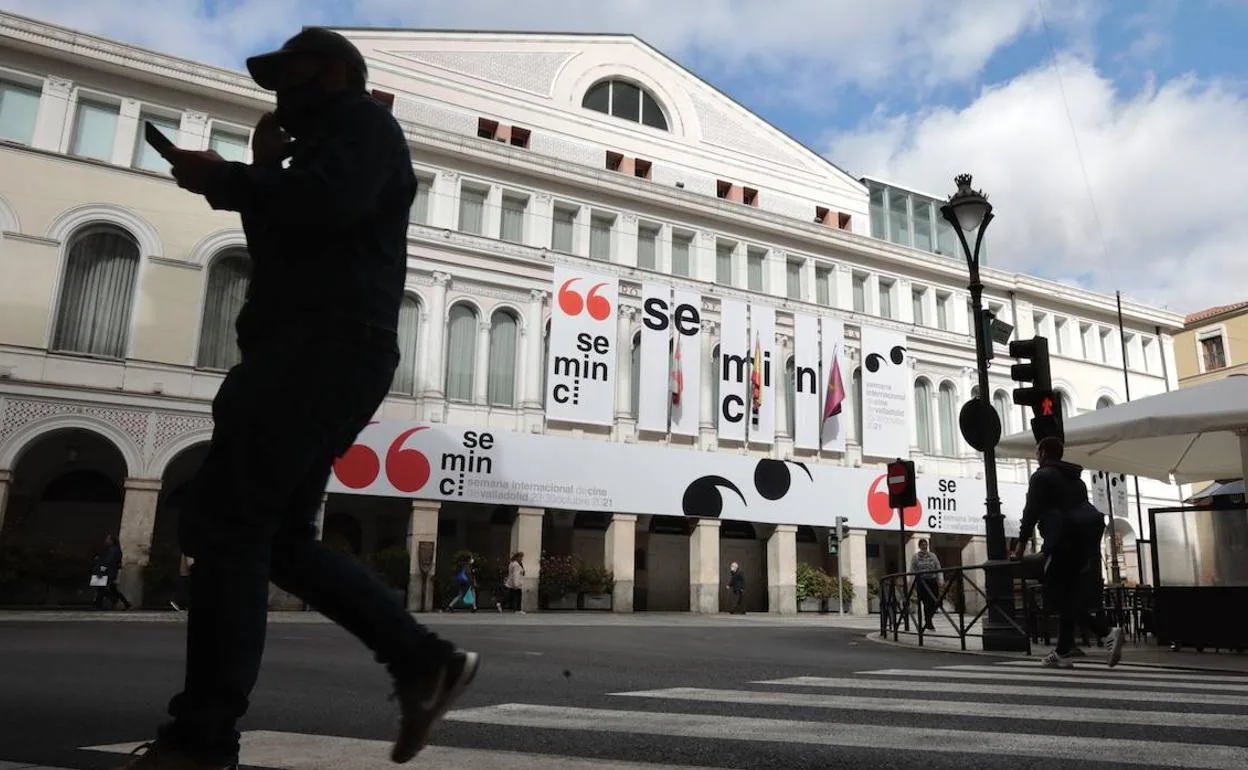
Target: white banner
{"x":887,"y":390}
{"x":654,"y":380}
{"x":808,"y":386}
{"x":687,"y":355}
{"x":581,"y":367}
{"x":764,"y":370}
{"x":836,"y":409}
{"x":441,"y":462}
{"x":733,"y":409}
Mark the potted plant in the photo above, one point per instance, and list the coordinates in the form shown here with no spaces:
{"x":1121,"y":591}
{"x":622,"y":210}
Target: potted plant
{"x":808,"y":599}
{"x":557,"y":583}
{"x":841,"y":595}
{"x":873,"y":595}
{"x":595,"y":584}
{"x":392,"y":565}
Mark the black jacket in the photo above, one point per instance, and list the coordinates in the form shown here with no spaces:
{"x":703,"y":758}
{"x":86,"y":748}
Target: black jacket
{"x":327,"y":236}
{"x":736,"y":581}
{"x":1054,"y":489}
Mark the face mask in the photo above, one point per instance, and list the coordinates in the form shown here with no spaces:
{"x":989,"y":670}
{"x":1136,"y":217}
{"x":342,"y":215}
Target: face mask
{"x":297,"y":106}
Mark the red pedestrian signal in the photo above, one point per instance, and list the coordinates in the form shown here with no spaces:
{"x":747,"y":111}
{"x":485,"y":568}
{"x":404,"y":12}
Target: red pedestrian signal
{"x":1046,"y":407}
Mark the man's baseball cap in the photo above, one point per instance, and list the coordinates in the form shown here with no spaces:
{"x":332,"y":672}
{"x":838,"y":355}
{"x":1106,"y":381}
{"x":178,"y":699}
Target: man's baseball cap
{"x":315,"y":41}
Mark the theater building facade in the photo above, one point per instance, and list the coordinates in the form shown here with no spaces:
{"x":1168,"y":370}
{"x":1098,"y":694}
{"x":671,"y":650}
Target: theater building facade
{"x":644,"y":329}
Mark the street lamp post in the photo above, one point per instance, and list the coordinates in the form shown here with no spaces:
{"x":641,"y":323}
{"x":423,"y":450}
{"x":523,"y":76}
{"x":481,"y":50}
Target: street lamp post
{"x":969,"y":211}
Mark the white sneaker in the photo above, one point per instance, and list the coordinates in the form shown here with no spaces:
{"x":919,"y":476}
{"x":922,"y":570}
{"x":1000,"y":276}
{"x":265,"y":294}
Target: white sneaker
{"x":1114,"y":641}
{"x":1053,"y":660}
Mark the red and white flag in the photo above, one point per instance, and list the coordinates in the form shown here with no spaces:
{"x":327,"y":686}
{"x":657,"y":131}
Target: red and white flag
{"x":835,"y":391}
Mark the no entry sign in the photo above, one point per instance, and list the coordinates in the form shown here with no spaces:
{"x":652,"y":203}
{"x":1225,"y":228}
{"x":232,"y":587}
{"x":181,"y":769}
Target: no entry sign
{"x":901,"y":486}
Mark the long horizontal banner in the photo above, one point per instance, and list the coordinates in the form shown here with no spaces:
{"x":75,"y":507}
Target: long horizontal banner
{"x":441,"y":462}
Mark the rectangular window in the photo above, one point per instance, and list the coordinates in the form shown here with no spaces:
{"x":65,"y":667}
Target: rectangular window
{"x":647,"y":247}
{"x":562,"y":229}
{"x":1059,"y":336}
{"x":886,"y":299}
{"x":723,"y":263}
{"x":1106,"y":346}
{"x":922,"y":224}
{"x":681,"y":246}
{"x":860,"y":293}
{"x":95,"y":127}
{"x":1038,"y":323}
{"x":879,"y":215}
{"x":823,"y":286}
{"x":942,"y":311}
{"x":916,"y":305}
{"x":472,"y":211}
{"x":1213,"y":352}
{"x":600,"y":237}
{"x":899,"y":217}
{"x":19,"y":106}
{"x":145,"y":157}
{"x":1126,"y":352}
{"x":1085,"y":331}
{"x":511,"y":224}
{"x":755,"y":267}
{"x":793,"y":279}
{"x":946,"y":239}
{"x":420,"y":206}
{"x":231,"y":145}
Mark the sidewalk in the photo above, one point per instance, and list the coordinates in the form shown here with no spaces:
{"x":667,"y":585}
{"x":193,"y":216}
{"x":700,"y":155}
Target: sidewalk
{"x":490,"y":618}
{"x":1145,"y":653}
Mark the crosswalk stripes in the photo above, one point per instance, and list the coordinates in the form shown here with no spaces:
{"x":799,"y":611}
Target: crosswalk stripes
{"x":1014,"y":709}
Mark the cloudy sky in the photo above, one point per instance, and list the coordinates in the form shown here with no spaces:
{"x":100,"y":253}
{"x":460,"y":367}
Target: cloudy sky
{"x":1110,"y":134}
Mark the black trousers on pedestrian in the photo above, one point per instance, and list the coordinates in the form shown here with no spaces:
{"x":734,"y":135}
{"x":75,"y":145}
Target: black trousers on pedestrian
{"x":1066,"y":591}
{"x":738,"y":605}
{"x":110,"y":594}
{"x":296,"y":401}
{"x":515,"y":598}
{"x":929,"y":589}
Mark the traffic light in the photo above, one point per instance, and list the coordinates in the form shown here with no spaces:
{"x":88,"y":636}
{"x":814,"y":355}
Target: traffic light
{"x":1034,"y":371}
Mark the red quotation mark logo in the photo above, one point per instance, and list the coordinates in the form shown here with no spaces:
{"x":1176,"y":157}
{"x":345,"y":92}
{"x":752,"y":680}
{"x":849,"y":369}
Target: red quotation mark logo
{"x":877,"y":505}
{"x":571,"y":303}
{"x":407,"y":470}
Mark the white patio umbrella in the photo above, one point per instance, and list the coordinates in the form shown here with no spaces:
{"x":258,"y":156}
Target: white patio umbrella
{"x":1192,"y":434}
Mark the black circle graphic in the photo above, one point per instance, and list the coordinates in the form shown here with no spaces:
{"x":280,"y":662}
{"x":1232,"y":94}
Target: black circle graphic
{"x":703,"y":499}
{"x":771,"y":479}
{"x":897,"y":354}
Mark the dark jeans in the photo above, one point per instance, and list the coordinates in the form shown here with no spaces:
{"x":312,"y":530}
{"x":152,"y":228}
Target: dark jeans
{"x":1066,"y":590}
{"x":111,"y":594}
{"x":929,"y":590}
{"x":738,"y":606}
{"x":294,"y":403}
{"x":515,"y":598}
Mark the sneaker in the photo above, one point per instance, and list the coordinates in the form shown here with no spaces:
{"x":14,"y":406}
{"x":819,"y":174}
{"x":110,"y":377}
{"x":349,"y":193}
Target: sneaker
{"x":1114,"y":642}
{"x":1053,"y":660}
{"x":422,"y":703}
{"x":149,"y":756}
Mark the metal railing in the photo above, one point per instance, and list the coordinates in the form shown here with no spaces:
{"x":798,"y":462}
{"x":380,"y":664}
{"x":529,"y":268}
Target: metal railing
{"x":900,"y":606}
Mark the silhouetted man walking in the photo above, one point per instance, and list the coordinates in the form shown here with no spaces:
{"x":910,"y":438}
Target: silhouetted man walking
{"x":327,"y":237}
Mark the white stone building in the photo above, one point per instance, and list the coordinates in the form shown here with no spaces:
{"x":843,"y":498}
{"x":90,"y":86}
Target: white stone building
{"x":118,"y":291}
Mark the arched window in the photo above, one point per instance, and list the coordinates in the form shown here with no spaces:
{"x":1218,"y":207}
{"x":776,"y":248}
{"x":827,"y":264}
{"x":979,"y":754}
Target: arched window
{"x":1103,"y":402}
{"x":1063,"y":402}
{"x":634,"y":376}
{"x":857,"y":385}
{"x":228,"y":278}
{"x":948,"y":420}
{"x":622,"y":99}
{"x":461,"y":352}
{"x":1001,"y":402}
{"x":97,"y":292}
{"x":504,"y":339}
{"x":715,"y":364}
{"x":923,"y":416}
{"x":790,"y":396}
{"x":409,"y":325}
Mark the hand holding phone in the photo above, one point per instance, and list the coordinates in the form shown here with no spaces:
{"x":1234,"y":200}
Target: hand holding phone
{"x":156,"y":138}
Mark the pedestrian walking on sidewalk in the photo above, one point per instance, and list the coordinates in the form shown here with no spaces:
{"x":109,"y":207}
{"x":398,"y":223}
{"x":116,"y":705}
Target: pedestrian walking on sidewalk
{"x":324,"y":205}
{"x":515,"y":583}
{"x":1057,"y":502}
{"x":924,"y":561}
{"x":104,"y":573}
{"x":736,"y":584}
{"x":182,"y":597}
{"x":465,"y":585}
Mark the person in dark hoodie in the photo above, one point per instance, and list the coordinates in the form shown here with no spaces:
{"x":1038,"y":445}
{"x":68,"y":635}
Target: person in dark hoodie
{"x":1056,"y":498}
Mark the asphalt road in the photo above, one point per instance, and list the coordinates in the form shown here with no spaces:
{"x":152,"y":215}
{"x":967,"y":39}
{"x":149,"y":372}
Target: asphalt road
{"x":723,"y":694}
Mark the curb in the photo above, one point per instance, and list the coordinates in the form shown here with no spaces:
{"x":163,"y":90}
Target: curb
{"x":874,"y":636}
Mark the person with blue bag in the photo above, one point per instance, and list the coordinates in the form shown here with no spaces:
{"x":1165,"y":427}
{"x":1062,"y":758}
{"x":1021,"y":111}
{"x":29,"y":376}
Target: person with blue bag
{"x":466,"y":585}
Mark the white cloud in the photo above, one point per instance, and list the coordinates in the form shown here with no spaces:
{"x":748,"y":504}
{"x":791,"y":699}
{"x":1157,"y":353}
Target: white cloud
{"x":1165,"y":167}
{"x":920,"y":43}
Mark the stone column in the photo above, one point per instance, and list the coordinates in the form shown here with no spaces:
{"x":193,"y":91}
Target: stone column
{"x":126,"y":132}
{"x":481,"y":378}
{"x":624,"y":364}
{"x":854,"y":550}
{"x":193,"y":131}
{"x":436,"y":340}
{"x":422,"y":528}
{"x":138,"y":521}
{"x":53,"y":114}
{"x":6,"y":480}
{"x":782,"y":570}
{"x":704,"y":577}
{"x":534,"y":330}
{"x":620,"y":546}
{"x":526,"y":536}
{"x":975,"y":552}
{"x":708,"y":412}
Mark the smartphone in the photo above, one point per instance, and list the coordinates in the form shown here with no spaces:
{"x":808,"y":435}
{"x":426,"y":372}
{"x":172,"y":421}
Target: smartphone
{"x":156,"y":138}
